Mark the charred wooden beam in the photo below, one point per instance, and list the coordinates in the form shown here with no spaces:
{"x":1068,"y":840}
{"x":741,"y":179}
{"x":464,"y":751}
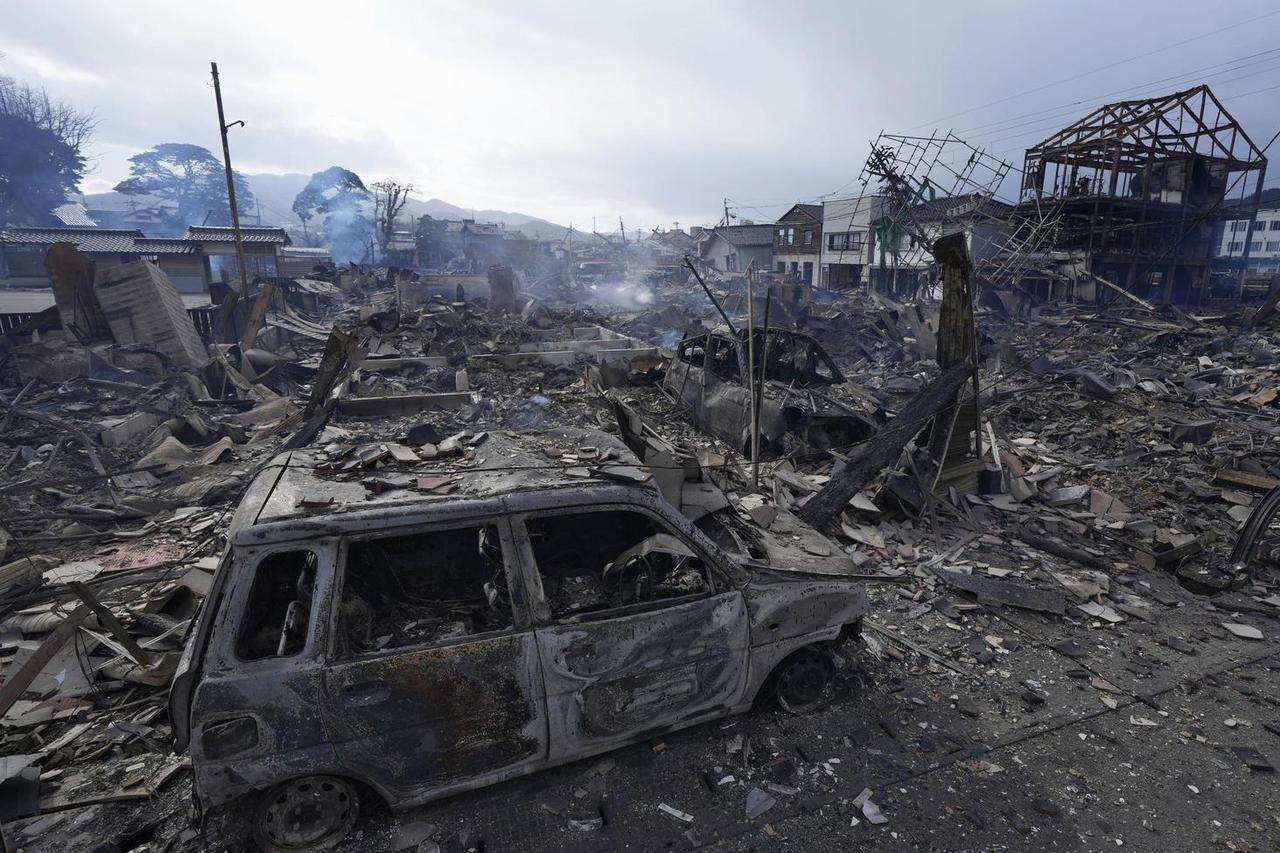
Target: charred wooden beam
{"x":883,"y":449}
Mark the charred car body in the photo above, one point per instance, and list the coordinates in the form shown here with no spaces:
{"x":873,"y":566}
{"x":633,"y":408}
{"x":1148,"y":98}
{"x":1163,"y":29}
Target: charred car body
{"x":709,"y":374}
{"x":421,"y":645}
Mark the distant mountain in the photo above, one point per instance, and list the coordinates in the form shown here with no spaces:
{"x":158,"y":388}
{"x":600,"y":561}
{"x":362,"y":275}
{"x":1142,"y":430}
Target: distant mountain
{"x":275,"y":195}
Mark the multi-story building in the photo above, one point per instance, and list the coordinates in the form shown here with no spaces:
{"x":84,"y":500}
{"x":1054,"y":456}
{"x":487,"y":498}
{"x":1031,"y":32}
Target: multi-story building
{"x":848,"y":239}
{"x":1262,"y":241}
{"x":1134,"y":189}
{"x":797,"y":242}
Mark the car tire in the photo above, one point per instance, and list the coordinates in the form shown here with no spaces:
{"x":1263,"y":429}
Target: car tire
{"x":309,"y":813}
{"x":802,"y":683}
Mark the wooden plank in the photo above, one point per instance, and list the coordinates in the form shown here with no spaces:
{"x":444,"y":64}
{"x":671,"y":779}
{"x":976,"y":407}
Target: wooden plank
{"x":112,"y":624}
{"x":1244,"y":480}
{"x":17,"y":683}
{"x":884,"y":447}
{"x":998,"y":591}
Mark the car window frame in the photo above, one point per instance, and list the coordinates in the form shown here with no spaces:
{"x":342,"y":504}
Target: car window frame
{"x":520,"y":619}
{"x":226,"y":632}
{"x":719,"y":582}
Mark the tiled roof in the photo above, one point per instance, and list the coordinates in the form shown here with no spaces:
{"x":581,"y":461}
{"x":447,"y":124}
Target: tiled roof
{"x":953,"y":205}
{"x":73,"y":213}
{"x":747,"y":235}
{"x":86,"y":239}
{"x":811,"y":211}
{"x":225,"y":234}
{"x":166,"y":246}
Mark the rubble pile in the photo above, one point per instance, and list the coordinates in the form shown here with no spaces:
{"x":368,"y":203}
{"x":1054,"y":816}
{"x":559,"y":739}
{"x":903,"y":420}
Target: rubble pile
{"x":1086,"y":506}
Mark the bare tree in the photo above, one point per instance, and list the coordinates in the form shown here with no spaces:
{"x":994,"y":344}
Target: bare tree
{"x":389,"y":198}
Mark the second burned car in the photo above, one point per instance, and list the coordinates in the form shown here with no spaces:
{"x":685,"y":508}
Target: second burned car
{"x":709,"y":374}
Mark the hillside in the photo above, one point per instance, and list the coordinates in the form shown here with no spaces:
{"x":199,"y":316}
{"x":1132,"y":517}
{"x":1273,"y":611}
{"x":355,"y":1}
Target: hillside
{"x":275,"y":194}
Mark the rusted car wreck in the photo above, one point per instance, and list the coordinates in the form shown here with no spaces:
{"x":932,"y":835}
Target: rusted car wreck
{"x":411,"y":644}
{"x":709,"y":374}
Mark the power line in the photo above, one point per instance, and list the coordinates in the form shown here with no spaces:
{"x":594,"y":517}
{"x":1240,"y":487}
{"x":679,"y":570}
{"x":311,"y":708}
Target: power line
{"x":1204,"y":73}
{"x":1097,"y":70}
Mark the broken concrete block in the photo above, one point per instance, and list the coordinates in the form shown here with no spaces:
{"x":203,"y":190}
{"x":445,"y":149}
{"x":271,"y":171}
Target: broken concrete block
{"x":117,"y":432}
{"x":143,"y":307}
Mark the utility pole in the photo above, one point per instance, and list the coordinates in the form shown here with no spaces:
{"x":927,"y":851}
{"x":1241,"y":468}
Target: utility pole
{"x":231,"y":184}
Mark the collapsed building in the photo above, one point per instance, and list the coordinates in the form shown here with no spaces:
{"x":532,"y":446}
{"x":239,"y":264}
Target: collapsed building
{"x":1131,"y":194}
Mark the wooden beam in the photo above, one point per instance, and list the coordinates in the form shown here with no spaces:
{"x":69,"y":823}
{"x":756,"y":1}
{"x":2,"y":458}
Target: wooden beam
{"x":884,"y":446}
{"x":112,"y":624}
{"x":1244,"y":480}
{"x":17,"y":683}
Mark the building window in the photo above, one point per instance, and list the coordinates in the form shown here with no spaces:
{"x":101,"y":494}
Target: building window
{"x":1238,"y":226}
{"x":846,"y":242}
{"x":1235,"y":247}
{"x":786,"y":236}
{"x":1273,"y":245}
{"x":808,"y":238}
{"x":1255,"y":245}
{"x":1275,"y":225}
{"x":781,"y":266}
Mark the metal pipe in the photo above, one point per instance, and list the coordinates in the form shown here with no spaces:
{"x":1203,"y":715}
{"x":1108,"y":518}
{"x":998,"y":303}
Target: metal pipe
{"x":710,"y":295}
{"x":751,"y":380}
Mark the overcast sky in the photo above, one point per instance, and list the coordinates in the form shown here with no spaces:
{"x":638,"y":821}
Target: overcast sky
{"x":649,"y":110}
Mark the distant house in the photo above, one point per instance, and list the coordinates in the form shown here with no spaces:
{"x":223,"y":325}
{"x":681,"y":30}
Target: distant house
{"x":301,"y":261}
{"x":262,"y":246}
{"x":903,"y":265}
{"x":23,"y":250}
{"x":487,"y":243}
{"x":676,"y":239}
{"x":401,"y":249}
{"x":732,"y":248}
{"x":797,"y":242}
{"x":192,"y":261}
{"x":153,"y":218}
{"x":73,"y":214}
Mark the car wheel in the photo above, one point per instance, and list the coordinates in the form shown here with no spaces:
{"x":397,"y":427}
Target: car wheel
{"x":311,"y":813}
{"x":802,"y":683}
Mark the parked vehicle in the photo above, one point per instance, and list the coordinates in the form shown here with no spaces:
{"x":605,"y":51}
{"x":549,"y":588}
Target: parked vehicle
{"x":709,"y":374}
{"x":412,"y":645}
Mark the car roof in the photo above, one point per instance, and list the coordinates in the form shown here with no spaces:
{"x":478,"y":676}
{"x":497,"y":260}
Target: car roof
{"x":299,"y":485}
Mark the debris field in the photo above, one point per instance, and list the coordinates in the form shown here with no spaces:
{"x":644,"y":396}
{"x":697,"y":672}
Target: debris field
{"x":1068,"y":551}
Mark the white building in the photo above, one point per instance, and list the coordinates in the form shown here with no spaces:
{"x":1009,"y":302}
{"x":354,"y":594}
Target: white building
{"x":1264,"y":240}
{"x":848,"y":239}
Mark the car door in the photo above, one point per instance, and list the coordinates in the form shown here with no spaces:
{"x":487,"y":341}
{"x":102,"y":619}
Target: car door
{"x":612,"y":673}
{"x":257,"y":709}
{"x":443,"y":703}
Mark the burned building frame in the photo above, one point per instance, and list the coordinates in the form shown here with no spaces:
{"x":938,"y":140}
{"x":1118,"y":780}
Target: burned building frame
{"x":1136,"y":188}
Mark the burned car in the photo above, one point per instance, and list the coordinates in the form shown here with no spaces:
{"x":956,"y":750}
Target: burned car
{"x":411,"y":644}
{"x":709,"y":374}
